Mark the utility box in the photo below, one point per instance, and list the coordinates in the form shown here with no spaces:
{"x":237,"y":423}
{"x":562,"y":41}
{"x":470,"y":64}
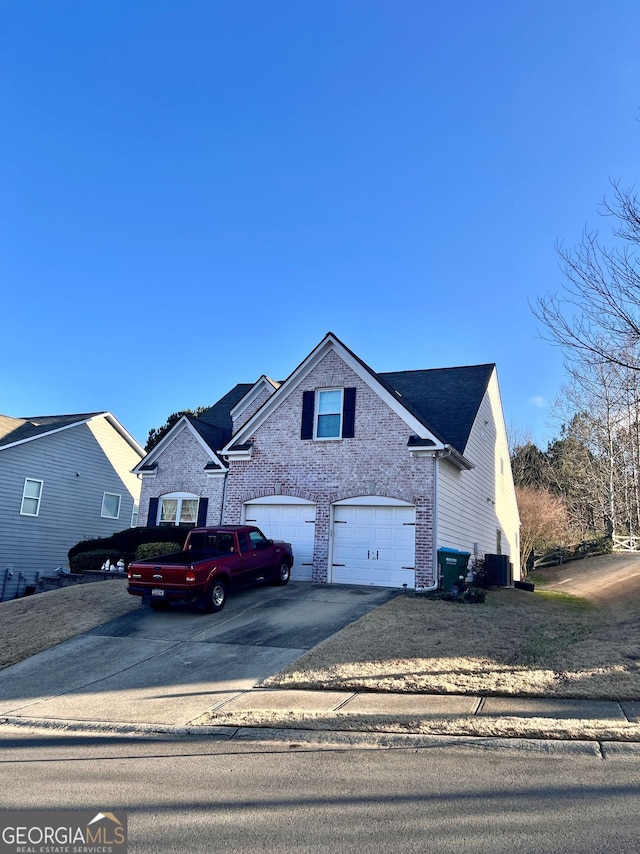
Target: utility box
{"x":498,"y":570}
{"x":452,"y":564}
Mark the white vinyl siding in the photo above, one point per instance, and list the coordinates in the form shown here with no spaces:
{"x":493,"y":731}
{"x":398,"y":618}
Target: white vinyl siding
{"x":473,"y":505}
{"x":31,"y":495}
{"x":451,"y":483}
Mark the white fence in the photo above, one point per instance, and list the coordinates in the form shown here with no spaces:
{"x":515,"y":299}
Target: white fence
{"x":626,"y":544}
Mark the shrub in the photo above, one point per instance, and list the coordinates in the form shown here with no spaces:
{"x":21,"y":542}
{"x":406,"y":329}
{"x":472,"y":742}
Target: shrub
{"x":469,"y":596}
{"x":149,"y":550}
{"x":93,"y":560}
{"x":124,"y":543}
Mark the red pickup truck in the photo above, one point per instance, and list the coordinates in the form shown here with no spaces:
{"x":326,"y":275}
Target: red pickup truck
{"x":211,"y":562}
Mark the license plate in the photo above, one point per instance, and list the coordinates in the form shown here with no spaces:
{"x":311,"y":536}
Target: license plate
{"x":157,"y":591}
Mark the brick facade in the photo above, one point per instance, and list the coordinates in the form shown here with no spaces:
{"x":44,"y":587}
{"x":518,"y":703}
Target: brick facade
{"x":181,"y":469}
{"x":375,"y":462}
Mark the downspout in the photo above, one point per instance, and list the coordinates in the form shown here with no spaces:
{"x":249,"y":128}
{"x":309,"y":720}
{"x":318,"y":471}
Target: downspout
{"x":224,"y":494}
{"x":438,"y":455}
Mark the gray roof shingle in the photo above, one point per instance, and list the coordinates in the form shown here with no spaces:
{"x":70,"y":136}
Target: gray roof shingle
{"x":14,"y":430}
{"x":446,"y":400}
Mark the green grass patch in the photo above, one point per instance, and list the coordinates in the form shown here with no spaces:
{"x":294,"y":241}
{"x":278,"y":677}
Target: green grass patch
{"x":576,"y":603}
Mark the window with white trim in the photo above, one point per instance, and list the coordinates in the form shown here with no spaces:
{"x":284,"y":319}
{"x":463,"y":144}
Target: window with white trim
{"x":134,"y":514}
{"x":329,"y":413}
{"x":110,"y":505}
{"x":178,"y":508}
{"x":31,"y":495}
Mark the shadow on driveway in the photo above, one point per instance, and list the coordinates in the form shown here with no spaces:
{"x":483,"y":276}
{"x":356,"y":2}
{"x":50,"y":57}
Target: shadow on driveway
{"x":171,"y":666}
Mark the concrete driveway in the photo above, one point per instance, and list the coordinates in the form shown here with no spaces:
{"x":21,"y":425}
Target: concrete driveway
{"x":170,"y":667}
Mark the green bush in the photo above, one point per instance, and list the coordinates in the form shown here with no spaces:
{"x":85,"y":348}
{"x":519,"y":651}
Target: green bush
{"x":92,"y":561}
{"x":125,"y":543}
{"x":149,"y":550}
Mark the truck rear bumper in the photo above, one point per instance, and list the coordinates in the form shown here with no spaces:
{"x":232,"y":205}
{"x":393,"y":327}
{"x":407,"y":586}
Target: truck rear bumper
{"x":169,"y":594}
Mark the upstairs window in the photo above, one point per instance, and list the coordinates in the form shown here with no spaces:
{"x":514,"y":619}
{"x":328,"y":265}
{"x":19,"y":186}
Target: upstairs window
{"x":31,"y":495}
{"x":328,"y":413}
{"x":329,"y":418}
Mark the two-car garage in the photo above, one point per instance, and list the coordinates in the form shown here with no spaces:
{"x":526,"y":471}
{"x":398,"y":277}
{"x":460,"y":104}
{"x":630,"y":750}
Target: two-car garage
{"x":372,"y":538}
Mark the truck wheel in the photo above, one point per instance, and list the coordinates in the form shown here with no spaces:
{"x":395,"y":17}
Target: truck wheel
{"x":283,"y":574}
{"x":216,"y":597}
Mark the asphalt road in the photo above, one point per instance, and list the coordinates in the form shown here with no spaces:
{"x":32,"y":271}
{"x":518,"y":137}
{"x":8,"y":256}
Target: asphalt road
{"x":246,"y":795}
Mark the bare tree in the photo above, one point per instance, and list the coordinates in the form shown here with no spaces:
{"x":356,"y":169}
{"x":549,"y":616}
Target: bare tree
{"x":543,"y":520}
{"x":597,"y":312}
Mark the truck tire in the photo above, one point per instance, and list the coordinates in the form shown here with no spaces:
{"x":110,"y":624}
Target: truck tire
{"x":283,"y":574}
{"x":216,"y":596}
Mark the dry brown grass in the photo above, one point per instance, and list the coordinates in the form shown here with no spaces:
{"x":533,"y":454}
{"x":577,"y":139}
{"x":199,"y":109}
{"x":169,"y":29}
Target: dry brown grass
{"x":35,"y":623}
{"x":517,"y":643}
{"x":473,"y":726}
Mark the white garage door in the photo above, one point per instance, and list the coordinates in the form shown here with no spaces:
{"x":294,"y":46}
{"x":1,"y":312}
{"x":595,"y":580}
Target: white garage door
{"x":374,"y":544}
{"x":292,"y":522}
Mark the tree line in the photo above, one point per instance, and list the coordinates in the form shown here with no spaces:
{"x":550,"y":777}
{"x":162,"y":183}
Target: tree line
{"x":587,"y":482}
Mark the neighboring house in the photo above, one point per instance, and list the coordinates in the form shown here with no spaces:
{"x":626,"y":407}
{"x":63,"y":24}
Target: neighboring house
{"x":63,"y":478}
{"x":366,"y":474}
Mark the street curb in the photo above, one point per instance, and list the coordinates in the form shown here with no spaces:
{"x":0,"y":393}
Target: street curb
{"x":330,"y":739}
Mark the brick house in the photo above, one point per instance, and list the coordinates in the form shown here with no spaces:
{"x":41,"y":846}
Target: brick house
{"x":366,"y":474}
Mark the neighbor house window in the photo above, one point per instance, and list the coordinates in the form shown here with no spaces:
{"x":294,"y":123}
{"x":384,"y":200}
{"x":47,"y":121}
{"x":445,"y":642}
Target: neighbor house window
{"x":178,"y":509}
{"x":110,"y":505}
{"x":134,"y":515}
{"x":329,"y":414}
{"x":31,"y":495}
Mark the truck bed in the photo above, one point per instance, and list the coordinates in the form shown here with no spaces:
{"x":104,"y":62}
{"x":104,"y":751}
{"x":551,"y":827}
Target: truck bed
{"x":180,"y":558}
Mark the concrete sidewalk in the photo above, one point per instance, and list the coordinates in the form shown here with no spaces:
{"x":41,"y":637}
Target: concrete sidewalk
{"x":338,"y":713}
{"x":360,"y":704}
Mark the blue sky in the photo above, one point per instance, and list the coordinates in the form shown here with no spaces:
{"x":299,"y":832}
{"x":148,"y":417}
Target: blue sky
{"x":192,"y":192}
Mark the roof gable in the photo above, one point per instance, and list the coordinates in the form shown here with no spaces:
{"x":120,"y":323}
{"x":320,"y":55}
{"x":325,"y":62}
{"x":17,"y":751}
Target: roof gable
{"x":17,"y":431}
{"x":263,"y":384}
{"x":331,"y":343}
{"x":212,"y":429}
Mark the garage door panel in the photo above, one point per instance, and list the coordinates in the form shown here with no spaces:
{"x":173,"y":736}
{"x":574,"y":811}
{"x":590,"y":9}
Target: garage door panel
{"x":374,"y":545}
{"x":293,"y":523}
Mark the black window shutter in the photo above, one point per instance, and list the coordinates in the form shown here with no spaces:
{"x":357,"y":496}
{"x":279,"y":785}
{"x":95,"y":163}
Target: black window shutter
{"x":349,"y":413}
{"x":308,"y":406}
{"x":153,"y":513}
{"x":202,"y":512}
